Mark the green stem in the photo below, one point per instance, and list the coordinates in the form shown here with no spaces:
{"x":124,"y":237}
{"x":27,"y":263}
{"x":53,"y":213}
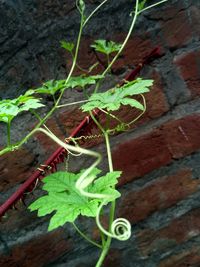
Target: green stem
{"x":93,"y":12}
{"x":125,"y":41}
{"x":97,"y":123}
{"x":75,"y":57}
{"x":156,"y":4}
{"x":106,"y":245}
{"x":108,"y":152}
{"x":123,"y":45}
{"x":73,"y":103}
{"x":86,"y":237}
{"x":8,"y":134}
{"x":36,"y":114}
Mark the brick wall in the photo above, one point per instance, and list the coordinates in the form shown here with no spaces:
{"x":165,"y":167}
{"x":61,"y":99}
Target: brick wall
{"x":159,"y":157}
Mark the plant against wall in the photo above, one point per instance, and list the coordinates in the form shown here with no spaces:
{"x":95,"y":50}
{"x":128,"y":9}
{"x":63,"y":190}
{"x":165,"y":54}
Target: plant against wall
{"x":87,"y":192}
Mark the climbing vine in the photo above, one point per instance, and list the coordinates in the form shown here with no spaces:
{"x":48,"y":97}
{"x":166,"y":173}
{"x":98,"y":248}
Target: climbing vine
{"x":69,"y":195}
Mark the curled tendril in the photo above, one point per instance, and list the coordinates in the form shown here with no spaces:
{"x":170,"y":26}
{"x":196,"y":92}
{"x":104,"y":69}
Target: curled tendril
{"x":120,"y":228}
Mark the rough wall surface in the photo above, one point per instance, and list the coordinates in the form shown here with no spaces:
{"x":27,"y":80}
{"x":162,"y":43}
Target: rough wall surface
{"x":160,"y":158}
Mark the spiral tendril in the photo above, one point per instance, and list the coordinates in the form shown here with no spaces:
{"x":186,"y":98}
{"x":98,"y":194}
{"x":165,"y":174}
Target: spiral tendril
{"x":119,"y":229}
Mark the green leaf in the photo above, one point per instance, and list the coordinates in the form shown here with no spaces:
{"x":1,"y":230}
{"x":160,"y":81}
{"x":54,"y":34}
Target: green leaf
{"x":30,"y":104}
{"x":10,"y":108}
{"x":115,"y":97}
{"x":67,"y":45}
{"x":106,"y":47}
{"x":66,"y":201}
{"x":105,"y":185}
{"x":82,"y":81}
{"x":51,"y":87}
{"x":141,"y":4}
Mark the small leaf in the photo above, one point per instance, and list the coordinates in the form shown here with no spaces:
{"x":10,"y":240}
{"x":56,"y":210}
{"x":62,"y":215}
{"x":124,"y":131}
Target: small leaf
{"x":67,"y":45}
{"x":106,"y":47}
{"x":10,"y":108}
{"x":82,"y":81}
{"x":51,"y":87}
{"x":31,"y":104}
{"x":132,"y":102}
{"x":141,"y":4}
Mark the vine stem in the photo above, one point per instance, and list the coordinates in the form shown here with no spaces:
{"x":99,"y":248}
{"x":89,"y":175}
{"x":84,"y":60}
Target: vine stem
{"x":125,"y":41}
{"x":8,"y":135}
{"x":93,"y":12}
{"x":122,"y":46}
{"x":86,"y":237}
{"x":106,"y":245}
{"x":156,"y":4}
{"x":73,"y":103}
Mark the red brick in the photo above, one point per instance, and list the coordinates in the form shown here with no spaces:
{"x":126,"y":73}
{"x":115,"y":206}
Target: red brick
{"x":160,"y":194}
{"x":47,"y":144}
{"x":18,"y":218}
{"x":169,"y":12}
{"x":155,"y":100}
{"x":182,"y":136}
{"x":134,"y":52}
{"x":141,"y":156}
{"x":187,"y":258}
{"x":195,"y":13}
{"x":38,"y":251}
{"x":15,"y":167}
{"x":177,"y":31}
{"x":113,"y":259}
{"x":178,"y":231}
{"x":144,"y":154}
{"x":189,"y":65}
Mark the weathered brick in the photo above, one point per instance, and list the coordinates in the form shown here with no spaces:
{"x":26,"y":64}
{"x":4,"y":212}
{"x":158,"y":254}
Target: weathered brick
{"x":140,"y":156}
{"x":179,"y":35}
{"x":188,"y":65}
{"x":187,"y":258}
{"x":113,"y":259}
{"x":178,"y":231}
{"x":194,"y":13}
{"x":159,"y":195}
{"x":37,"y":252}
{"x":182,"y":136}
{"x":47,"y":144}
{"x":174,"y":139}
{"x":15,"y":167}
{"x":135,"y":51}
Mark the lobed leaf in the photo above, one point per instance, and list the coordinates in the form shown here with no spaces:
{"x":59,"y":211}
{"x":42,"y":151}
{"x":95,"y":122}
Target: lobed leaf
{"x":67,"y":46}
{"x":10,"y":108}
{"x":106,"y":47}
{"x":115,"y":97}
{"x":82,"y":81}
{"x":65,"y":200}
{"x":51,"y":87}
